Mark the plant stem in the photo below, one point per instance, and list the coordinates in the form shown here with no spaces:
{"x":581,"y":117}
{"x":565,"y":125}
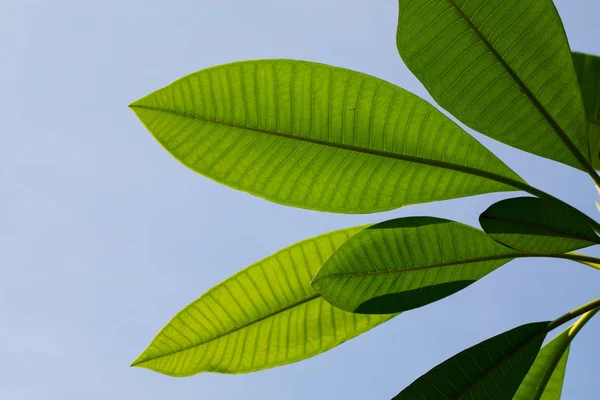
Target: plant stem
{"x":591,"y":308}
{"x":585,"y":318}
{"x":587,"y":260}
{"x":595,"y":176}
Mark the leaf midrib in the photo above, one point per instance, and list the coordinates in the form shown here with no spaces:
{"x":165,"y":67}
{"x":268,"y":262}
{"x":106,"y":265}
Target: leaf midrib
{"x":229,"y":332}
{"x":550,"y":370}
{"x":503,"y":360}
{"x":382,"y":153}
{"x":557,"y":128}
{"x":541,"y":228}
{"x":422,"y":267}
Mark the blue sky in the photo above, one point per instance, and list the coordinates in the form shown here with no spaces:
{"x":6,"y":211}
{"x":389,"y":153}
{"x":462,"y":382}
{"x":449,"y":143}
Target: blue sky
{"x":104,"y":237}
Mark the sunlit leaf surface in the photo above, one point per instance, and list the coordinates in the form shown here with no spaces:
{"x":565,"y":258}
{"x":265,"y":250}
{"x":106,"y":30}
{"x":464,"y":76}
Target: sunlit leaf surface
{"x":319,"y":137}
{"x":264,"y":316}
{"x":504,"y":68}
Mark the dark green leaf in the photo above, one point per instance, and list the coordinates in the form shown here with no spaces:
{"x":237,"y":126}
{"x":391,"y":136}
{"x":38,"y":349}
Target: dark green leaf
{"x":406,"y":263}
{"x":545,"y":378}
{"x":594,"y":133}
{"x":504,"y":68}
{"x":538,"y":226}
{"x":319,"y":137}
{"x":588,"y":75}
{"x":262,"y":317}
{"x":492,"y":369}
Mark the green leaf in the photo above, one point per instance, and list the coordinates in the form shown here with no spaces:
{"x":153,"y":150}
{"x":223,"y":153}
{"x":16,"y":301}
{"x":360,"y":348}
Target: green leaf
{"x":492,"y":369}
{"x":503,"y":68}
{"x":319,"y":137}
{"x":588,"y":75}
{"x":544,"y":380}
{"x":264,"y":316}
{"x":538,"y":226}
{"x":587,"y":68}
{"x":594,"y":134}
{"x":406,"y":263}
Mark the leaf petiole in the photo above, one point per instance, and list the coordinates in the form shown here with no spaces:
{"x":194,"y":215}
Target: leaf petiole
{"x":592,"y":262}
{"x":589,"y":309}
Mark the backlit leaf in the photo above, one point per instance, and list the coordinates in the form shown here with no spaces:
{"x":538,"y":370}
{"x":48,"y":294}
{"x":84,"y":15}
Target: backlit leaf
{"x":544,"y":380}
{"x":503,"y":68}
{"x":319,"y":137}
{"x":264,"y":316}
{"x":406,"y":263}
{"x":539,"y":226}
{"x":492,"y":369}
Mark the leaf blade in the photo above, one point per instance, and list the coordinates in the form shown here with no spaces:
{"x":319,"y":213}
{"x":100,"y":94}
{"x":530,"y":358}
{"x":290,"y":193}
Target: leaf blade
{"x":485,"y":61}
{"x":538,"y":226}
{"x":587,"y":67}
{"x":406,"y":263}
{"x":318,"y":137}
{"x":266,"y":315}
{"x":545,"y":378}
{"x":492,"y":369}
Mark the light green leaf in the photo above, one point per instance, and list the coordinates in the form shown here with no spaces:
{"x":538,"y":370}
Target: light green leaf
{"x":319,"y":137}
{"x":503,"y":68}
{"x":538,"y":226}
{"x":544,"y":380}
{"x":264,"y":316}
{"x":492,"y":369}
{"x":588,"y":74}
{"x":406,"y":263}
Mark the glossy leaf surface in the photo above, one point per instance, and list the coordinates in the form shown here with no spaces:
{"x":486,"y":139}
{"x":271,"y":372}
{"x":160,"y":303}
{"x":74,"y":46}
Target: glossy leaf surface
{"x":544,"y":380}
{"x":588,"y":74}
{"x":319,"y":137}
{"x":538,"y":226}
{"x":504,"y":68}
{"x":406,"y":263}
{"x":264,"y":316}
{"x":492,"y":369}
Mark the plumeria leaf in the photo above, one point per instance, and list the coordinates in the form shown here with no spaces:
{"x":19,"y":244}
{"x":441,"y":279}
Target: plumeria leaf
{"x":319,"y":137}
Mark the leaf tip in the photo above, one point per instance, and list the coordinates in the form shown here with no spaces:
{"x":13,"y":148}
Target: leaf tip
{"x":139,"y":361}
{"x":134,"y":104}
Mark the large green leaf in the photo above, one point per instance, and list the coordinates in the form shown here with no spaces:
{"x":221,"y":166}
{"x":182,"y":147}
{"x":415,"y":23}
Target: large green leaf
{"x":545,"y":378}
{"x":492,"y":369}
{"x":504,"y":68}
{"x":319,"y":137}
{"x":588,"y":74}
{"x":539,"y":226}
{"x":264,"y":316}
{"x":406,"y":263}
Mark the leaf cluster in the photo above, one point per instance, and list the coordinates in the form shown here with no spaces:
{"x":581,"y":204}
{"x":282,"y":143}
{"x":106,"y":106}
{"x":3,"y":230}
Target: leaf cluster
{"x":325,"y":138}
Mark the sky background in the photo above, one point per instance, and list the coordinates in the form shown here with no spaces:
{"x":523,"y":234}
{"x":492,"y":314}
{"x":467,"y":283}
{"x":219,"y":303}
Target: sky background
{"x":104,"y":236}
